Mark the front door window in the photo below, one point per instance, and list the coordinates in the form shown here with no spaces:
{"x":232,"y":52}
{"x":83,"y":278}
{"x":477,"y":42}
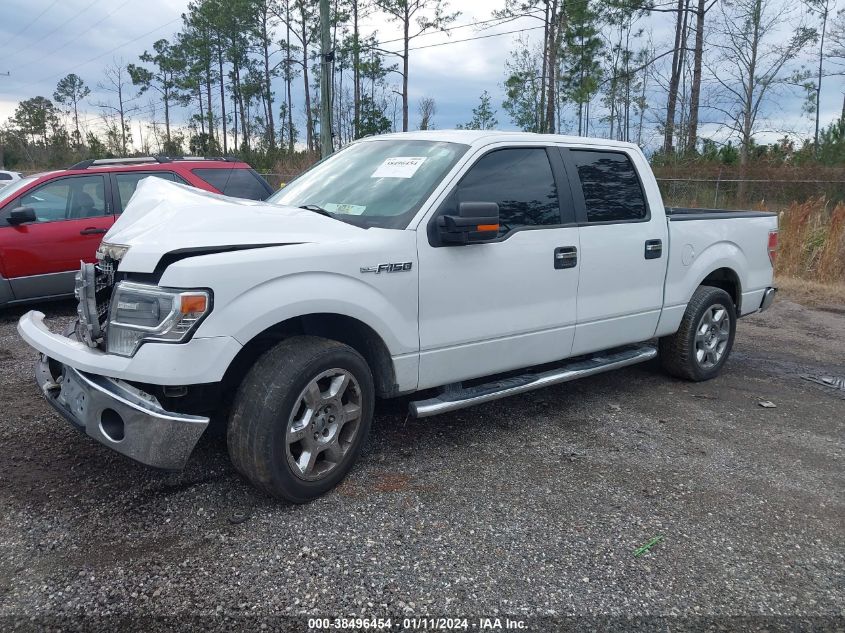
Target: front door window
{"x":67,"y":199}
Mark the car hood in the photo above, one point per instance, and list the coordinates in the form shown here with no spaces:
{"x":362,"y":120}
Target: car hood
{"x":165,"y":217}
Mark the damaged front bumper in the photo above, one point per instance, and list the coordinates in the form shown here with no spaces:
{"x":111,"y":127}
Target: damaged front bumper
{"x":112,"y":411}
{"x":120,"y":416}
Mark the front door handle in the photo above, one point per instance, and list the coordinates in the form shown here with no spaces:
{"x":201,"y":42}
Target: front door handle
{"x":93,"y":231}
{"x":566,"y":257}
{"x":653,"y":249}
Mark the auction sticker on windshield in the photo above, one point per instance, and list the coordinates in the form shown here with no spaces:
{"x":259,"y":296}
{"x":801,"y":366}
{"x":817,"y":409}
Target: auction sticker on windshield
{"x":347,"y":209}
{"x":399,"y":167}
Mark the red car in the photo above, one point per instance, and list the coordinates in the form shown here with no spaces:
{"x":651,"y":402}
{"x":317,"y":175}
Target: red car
{"x":51,"y":221}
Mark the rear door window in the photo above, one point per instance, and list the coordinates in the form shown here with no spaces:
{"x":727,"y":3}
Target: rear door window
{"x":236,"y":182}
{"x":611,"y":186}
{"x":128,"y":182}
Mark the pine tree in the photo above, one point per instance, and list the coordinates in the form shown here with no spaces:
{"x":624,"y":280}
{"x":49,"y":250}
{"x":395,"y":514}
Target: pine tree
{"x":69,"y":92}
{"x":582,"y":70}
{"x":169,"y":64}
{"x":483,"y":115}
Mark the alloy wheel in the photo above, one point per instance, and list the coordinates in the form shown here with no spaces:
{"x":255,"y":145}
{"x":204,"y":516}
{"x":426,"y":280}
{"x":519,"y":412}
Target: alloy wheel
{"x":712,"y":335}
{"x":323,"y":424}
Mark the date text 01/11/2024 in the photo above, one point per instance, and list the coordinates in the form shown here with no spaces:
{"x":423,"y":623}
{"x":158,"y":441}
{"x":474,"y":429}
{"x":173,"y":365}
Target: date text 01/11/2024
{"x":416,"y":624}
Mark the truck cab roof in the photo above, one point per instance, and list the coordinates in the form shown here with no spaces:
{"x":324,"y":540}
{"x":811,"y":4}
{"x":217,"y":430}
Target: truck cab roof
{"x":488,"y":137}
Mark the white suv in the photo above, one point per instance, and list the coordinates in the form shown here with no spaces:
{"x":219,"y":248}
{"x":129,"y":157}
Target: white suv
{"x":8,"y":177}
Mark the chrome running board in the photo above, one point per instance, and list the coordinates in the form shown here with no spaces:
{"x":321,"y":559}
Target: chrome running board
{"x":457,"y":397}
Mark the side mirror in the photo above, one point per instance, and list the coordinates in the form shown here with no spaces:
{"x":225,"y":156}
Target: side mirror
{"x":476,"y":222}
{"x":21,"y":215}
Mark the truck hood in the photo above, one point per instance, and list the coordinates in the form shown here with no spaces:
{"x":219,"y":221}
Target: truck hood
{"x":165,"y":217}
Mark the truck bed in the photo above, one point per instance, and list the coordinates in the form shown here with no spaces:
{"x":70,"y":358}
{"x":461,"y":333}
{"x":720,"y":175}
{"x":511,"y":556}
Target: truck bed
{"x":680,"y":214}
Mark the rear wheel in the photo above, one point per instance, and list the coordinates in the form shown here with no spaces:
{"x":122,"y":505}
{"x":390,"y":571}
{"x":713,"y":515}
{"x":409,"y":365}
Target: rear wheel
{"x":300,"y":417}
{"x":703,"y":342}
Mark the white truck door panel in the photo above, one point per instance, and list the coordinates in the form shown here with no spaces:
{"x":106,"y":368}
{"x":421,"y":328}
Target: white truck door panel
{"x":492,"y":307}
{"x":624,"y":247}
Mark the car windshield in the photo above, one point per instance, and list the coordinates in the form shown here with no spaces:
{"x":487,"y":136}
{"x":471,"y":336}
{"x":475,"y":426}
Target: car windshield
{"x":8,"y":192}
{"x":380,"y":183}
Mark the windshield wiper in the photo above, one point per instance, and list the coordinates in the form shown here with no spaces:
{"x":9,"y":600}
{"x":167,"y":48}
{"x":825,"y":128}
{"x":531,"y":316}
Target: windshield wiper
{"x":316,"y":209}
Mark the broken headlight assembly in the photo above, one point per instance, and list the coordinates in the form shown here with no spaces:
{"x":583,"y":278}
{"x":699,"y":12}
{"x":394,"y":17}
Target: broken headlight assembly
{"x":140,"y":313}
{"x":114,"y":252}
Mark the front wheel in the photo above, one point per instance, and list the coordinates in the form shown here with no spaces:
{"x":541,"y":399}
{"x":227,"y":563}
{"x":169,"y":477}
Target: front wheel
{"x":300,"y":417}
{"x":703,"y":342}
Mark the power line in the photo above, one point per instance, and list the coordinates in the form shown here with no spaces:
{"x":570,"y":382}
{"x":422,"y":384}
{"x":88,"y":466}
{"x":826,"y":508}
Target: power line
{"x":528,"y":14}
{"x":467,"y":39}
{"x":31,"y":22}
{"x":478,"y":37}
{"x":60,"y":26}
{"x":101,"y":55}
{"x":74,"y":39}
{"x":148,"y":110}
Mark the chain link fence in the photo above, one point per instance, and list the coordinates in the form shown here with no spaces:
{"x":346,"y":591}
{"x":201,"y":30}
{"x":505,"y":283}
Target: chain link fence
{"x":277,"y":180}
{"x":748,"y":193}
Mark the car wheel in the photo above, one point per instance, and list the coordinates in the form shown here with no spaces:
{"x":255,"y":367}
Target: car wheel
{"x":300,"y":417}
{"x":703,"y":342}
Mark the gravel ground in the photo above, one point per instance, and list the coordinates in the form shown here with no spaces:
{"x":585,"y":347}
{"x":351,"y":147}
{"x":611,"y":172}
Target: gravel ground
{"x":531,"y":506}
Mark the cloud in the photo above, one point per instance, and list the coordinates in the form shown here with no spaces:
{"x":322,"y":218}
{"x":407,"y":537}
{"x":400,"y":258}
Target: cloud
{"x":42,"y":40}
{"x":79,"y":36}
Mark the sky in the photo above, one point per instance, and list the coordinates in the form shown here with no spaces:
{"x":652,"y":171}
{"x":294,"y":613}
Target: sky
{"x":43,"y":40}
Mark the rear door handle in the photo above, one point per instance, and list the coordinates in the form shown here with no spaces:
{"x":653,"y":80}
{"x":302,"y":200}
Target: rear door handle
{"x":566,"y":257}
{"x":653,"y":249}
{"x":93,"y":231}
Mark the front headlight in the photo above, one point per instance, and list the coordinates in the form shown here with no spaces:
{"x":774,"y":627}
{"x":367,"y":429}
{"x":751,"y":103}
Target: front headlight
{"x":140,"y":313}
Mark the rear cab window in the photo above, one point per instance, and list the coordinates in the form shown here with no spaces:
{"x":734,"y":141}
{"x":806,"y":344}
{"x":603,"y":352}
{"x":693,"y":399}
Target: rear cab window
{"x":235,"y":182}
{"x":611,"y":186}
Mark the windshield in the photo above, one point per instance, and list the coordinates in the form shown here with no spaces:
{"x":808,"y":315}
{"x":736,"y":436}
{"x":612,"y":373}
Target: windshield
{"x":8,"y":192}
{"x":379,"y":183}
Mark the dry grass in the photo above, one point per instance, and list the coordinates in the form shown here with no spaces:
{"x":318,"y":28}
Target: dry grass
{"x":812,"y":242}
{"x":811,"y":293}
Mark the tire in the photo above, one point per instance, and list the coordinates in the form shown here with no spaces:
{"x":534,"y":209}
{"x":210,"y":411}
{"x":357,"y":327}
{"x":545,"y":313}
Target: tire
{"x":703,"y":342}
{"x":290,"y":440}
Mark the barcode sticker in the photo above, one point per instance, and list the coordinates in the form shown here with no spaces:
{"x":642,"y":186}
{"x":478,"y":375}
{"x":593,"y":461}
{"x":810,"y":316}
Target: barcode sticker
{"x":399,"y":167}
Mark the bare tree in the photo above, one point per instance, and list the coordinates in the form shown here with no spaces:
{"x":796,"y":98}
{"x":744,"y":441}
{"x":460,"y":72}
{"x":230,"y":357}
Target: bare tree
{"x":675,"y":78}
{"x":415,"y":17}
{"x":427,"y":108}
{"x":823,"y":9}
{"x":695,"y":87}
{"x":753,"y":54}
{"x":553,"y":15}
{"x":837,"y":50}
{"x":116,"y":80}
{"x":300,"y":19}
{"x":359,"y":9}
{"x":554,"y":35}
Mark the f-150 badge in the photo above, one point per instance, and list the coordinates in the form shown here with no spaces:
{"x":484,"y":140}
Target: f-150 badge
{"x":399,"y":267}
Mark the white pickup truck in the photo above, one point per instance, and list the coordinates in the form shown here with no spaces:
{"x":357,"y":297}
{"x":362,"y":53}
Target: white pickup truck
{"x":460,"y":266}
